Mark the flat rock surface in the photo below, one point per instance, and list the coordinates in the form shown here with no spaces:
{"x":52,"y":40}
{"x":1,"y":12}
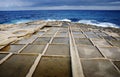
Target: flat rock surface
{"x":60,"y":49}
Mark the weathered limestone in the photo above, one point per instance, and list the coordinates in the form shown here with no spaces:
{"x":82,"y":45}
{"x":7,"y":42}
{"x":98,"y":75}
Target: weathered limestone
{"x":58,"y":49}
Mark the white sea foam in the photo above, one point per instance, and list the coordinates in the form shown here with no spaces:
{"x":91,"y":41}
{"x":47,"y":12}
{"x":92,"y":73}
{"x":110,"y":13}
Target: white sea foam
{"x":90,"y":22}
{"x":51,"y":20}
{"x":20,"y":21}
{"x":59,"y":20}
{"x":102,"y":24}
{"x":66,"y":20}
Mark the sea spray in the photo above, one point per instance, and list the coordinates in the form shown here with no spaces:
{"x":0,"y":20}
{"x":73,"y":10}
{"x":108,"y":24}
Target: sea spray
{"x":97,"y":23}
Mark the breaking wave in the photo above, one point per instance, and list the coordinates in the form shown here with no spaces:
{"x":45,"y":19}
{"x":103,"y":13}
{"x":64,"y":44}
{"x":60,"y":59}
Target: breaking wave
{"x":102,"y":24}
{"x":89,"y":22}
{"x":20,"y":21}
{"x":59,"y":20}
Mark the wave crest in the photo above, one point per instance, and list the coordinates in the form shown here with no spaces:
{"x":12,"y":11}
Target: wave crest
{"x":59,"y":20}
{"x":90,"y":22}
{"x":102,"y":24}
{"x":20,"y":21}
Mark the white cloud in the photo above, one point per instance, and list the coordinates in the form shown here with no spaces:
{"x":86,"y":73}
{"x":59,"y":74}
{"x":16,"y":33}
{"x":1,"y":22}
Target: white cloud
{"x":13,"y":3}
{"x":116,"y":2}
{"x":25,"y":5}
{"x":74,"y":8}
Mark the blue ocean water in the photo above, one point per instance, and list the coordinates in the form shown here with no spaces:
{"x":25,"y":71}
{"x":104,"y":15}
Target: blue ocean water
{"x":94,"y":17}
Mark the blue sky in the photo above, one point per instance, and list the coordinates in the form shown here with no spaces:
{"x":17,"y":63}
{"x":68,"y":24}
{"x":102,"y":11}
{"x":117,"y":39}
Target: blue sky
{"x":59,"y":4}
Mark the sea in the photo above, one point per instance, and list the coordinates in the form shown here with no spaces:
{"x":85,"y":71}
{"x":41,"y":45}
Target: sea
{"x":104,"y":18}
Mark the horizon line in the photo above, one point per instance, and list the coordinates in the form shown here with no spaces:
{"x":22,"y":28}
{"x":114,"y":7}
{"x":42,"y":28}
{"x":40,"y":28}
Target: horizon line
{"x":64,"y":10}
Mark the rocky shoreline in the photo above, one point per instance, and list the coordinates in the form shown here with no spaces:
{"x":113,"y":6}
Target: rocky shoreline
{"x":11,"y":32}
{"x":69,"y":49}
{"x":3,"y":27}
{"x":107,"y":29}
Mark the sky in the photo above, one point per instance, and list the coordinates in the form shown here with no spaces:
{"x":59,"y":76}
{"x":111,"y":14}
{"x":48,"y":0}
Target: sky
{"x":59,"y":4}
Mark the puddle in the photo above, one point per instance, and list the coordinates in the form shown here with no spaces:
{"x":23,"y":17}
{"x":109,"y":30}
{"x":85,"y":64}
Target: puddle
{"x":101,"y":34}
{"x":26,"y":40}
{"x":2,"y":55}
{"x":83,"y":41}
{"x":53,"y":67}
{"x":33,"y":49}
{"x":108,"y":37}
{"x":79,"y":36}
{"x":58,"y":49}
{"x":42,"y":40}
{"x":61,"y":35}
{"x":17,"y":66}
{"x":88,"y":52}
{"x":60,"y":40}
{"x":100,"y":42}
{"x":91,"y":35}
{"x":90,"y":32}
{"x":77,"y":32}
{"x":12,"y":48}
{"x":99,"y":68}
